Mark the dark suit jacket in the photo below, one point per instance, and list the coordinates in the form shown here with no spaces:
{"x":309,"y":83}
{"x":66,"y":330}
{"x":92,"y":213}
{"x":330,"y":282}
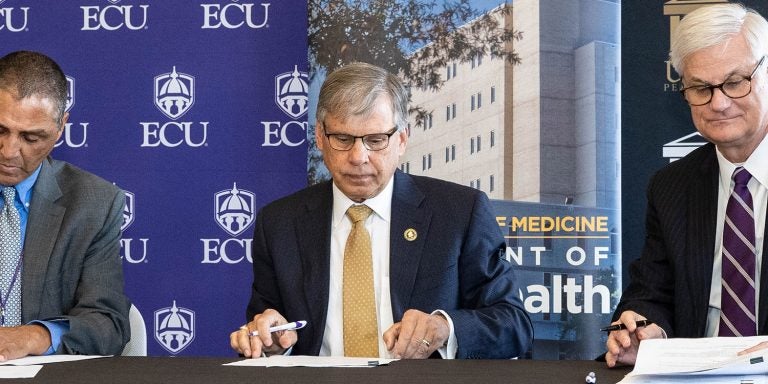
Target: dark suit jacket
{"x":72,"y":266}
{"x":671,"y":281}
{"x":455,"y":264}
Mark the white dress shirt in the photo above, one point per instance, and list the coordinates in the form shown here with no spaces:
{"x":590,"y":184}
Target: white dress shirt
{"x":378,"y":225}
{"x":757,"y":165}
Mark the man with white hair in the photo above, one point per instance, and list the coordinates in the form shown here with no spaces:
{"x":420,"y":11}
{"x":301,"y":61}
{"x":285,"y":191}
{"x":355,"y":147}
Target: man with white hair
{"x":702,"y":267}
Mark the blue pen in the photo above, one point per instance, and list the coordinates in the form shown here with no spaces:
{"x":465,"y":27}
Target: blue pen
{"x":285,"y":327}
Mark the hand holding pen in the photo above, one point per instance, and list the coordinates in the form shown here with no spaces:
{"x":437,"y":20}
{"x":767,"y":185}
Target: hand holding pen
{"x":622,"y":346}
{"x":249,"y":340}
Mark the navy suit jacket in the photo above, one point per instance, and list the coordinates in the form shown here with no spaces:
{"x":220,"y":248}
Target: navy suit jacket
{"x":456,"y":264}
{"x":670,"y":283}
{"x":72,"y":267}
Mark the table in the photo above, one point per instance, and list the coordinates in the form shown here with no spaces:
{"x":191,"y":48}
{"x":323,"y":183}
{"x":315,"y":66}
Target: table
{"x":191,"y":370}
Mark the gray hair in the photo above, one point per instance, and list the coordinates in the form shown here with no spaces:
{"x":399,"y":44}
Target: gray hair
{"x":26,"y":73}
{"x":353,"y":89}
{"x":715,"y":24}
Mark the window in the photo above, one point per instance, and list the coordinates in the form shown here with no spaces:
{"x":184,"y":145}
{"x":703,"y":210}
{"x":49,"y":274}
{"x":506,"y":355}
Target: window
{"x":490,"y":182}
{"x":493,"y":138}
{"x":472,"y":103}
{"x":429,"y":120}
{"x":454,"y":69}
{"x":448,"y":72}
{"x":429,"y":161}
{"x":453,"y":111}
{"x":447,"y":112}
{"x":424,"y":163}
{"x":471,"y":145}
{"x":479,"y":100}
{"x":471,"y":183}
{"x":493,"y":94}
{"x":447,"y":154}
{"x":477,"y":139}
{"x":453,"y":152}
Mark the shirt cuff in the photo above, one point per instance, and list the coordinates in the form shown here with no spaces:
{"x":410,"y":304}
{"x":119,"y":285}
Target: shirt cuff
{"x":448,"y":350}
{"x":57,"y":329}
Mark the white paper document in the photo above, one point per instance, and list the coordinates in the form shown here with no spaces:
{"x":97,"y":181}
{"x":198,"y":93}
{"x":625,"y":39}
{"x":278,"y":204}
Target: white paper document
{"x":708,"y":359}
{"x":311,"y":361}
{"x":19,"y":372}
{"x":31,"y":360}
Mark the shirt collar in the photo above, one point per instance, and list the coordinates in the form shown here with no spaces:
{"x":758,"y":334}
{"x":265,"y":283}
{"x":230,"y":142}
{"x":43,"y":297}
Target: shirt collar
{"x":755,"y":165}
{"x":24,"y":188}
{"x":381,"y":204}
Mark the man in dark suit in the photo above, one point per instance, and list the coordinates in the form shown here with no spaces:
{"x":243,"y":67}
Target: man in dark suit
{"x":440,"y":280}
{"x":67,"y":280}
{"x":695,"y":245}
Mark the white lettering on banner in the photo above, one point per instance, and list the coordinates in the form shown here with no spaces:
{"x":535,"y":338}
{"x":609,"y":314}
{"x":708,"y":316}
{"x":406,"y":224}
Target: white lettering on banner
{"x":232,"y":16}
{"x":540,"y":296}
{"x":575,"y":255}
{"x":113,"y":17}
{"x":173,"y":134}
{"x":7,"y":19}
{"x":276,"y":134}
{"x":230,"y":251}
{"x":68,"y":136}
{"x":129,"y":253}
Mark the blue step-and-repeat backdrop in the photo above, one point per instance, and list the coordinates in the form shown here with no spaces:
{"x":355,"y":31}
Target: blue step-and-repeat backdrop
{"x":197,"y":109}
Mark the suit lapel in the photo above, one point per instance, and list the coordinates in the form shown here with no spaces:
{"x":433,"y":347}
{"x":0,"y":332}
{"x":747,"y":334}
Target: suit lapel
{"x":43,"y":226}
{"x":408,"y":214}
{"x":702,"y":211}
{"x":313,"y":230}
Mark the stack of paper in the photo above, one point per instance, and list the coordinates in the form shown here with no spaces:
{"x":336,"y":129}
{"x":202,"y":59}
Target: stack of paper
{"x":706,"y":360}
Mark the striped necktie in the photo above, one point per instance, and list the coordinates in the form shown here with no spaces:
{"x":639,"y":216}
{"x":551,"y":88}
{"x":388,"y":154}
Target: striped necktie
{"x":737,"y":310}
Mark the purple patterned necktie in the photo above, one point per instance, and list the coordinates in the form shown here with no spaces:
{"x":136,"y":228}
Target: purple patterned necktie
{"x":737,"y":311}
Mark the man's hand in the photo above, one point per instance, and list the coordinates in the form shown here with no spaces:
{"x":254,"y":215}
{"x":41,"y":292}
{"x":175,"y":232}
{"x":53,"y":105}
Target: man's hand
{"x":623,"y":344}
{"x":417,"y":335}
{"x":24,"y":340}
{"x":763,"y":345}
{"x":270,"y":343}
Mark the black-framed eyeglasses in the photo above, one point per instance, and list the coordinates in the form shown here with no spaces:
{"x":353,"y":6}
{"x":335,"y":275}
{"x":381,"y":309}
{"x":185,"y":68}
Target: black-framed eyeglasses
{"x":371,"y":142}
{"x":734,"y":88}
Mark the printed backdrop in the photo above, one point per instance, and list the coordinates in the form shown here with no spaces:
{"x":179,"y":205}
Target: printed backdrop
{"x":198,"y":111}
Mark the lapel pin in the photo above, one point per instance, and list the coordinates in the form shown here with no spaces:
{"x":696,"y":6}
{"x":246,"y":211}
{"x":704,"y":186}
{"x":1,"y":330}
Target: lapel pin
{"x":410,"y":234}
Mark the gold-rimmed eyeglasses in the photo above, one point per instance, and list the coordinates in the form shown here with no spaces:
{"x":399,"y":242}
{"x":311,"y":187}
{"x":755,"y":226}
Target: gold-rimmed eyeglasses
{"x":735,"y":88}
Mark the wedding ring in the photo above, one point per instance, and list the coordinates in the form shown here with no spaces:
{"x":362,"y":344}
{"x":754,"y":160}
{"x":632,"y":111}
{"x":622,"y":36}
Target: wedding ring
{"x":425,"y":342}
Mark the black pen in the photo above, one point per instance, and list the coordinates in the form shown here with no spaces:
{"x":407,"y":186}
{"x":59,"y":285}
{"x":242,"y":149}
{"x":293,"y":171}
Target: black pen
{"x":616,"y":327}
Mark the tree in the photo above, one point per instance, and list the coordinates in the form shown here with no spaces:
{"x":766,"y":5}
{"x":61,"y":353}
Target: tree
{"x":413,"y":38}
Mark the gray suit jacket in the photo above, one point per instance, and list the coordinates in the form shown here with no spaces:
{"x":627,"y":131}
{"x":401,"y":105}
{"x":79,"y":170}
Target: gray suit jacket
{"x":671,"y":281}
{"x":72,"y":266}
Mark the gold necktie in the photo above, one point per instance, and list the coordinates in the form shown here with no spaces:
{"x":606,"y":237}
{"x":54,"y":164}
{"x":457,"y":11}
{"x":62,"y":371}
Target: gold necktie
{"x":360,"y":325}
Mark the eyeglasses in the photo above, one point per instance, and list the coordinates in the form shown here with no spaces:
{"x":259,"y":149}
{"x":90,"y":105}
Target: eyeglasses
{"x":372,"y":142}
{"x":734,"y":89}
